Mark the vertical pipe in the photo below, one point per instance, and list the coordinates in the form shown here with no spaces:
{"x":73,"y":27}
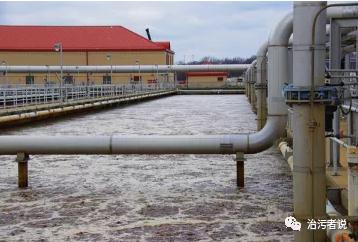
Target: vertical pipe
{"x":277,"y":69}
{"x":261,"y":86}
{"x":309,"y":179}
{"x":253,"y":81}
{"x":248,"y":84}
{"x":335,"y":63}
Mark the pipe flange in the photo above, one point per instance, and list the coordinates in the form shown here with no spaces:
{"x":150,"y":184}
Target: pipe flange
{"x":302,"y":94}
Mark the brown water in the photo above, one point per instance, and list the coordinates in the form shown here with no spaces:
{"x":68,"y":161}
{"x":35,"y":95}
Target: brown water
{"x":149,"y":198}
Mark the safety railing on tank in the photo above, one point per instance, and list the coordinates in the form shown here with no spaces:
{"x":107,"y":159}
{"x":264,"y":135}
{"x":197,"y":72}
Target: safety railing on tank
{"x":12,"y":96}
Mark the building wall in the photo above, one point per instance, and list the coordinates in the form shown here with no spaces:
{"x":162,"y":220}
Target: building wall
{"x":84,"y":58}
{"x":206,"y":81}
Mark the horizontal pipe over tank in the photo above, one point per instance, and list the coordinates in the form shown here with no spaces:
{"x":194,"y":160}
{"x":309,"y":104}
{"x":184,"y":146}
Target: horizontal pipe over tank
{"x":124,"y":69}
{"x":145,"y":144}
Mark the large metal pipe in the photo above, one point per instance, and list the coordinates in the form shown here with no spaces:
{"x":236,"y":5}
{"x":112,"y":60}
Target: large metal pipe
{"x":278,"y":65}
{"x":145,"y":144}
{"x":124,"y":69}
{"x":261,"y":82}
{"x":342,"y":12}
{"x":252,"y":84}
{"x":335,"y":55}
{"x":309,"y":177}
{"x":283,"y":26}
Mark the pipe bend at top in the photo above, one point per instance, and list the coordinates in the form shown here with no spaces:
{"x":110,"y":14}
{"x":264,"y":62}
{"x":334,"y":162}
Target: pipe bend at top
{"x":261,"y":52}
{"x":282,"y":31}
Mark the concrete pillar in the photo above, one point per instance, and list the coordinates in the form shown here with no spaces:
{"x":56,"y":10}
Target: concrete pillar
{"x":240,"y":169}
{"x":309,"y":178}
{"x":22,"y":160}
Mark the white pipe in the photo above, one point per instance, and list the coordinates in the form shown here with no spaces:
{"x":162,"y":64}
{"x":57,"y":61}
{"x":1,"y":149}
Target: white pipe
{"x":124,"y":69}
{"x":342,"y":12}
{"x":252,"y":83}
{"x":309,"y":176}
{"x":261,"y":81}
{"x":144,"y":144}
{"x":278,"y":66}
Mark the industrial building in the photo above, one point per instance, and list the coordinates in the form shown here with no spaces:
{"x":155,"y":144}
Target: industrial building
{"x":206,"y":79}
{"x":81,"y":46}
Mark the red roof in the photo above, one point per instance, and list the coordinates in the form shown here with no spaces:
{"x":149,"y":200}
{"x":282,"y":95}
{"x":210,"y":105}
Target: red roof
{"x":75,"y":38}
{"x":209,"y":73}
{"x":165,"y":44}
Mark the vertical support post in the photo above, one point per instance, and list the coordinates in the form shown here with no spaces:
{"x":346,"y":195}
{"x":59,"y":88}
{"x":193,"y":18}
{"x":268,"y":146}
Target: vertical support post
{"x":240,"y":169}
{"x":22,"y":159}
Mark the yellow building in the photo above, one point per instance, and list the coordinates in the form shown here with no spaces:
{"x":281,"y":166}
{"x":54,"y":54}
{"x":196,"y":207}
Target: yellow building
{"x":205,"y":80}
{"x":81,"y":45}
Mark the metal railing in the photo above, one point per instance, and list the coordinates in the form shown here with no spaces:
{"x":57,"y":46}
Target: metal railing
{"x":24,"y":95}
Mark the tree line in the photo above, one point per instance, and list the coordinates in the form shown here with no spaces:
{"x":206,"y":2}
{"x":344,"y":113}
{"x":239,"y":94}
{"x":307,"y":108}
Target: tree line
{"x":215,"y":60}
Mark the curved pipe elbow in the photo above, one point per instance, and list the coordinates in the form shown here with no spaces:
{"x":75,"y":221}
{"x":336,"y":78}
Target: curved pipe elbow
{"x":262,"y":140}
{"x":282,"y":32}
{"x":261,"y":52}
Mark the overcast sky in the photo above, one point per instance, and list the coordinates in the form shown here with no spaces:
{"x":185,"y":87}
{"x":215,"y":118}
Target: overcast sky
{"x":195,"y":29}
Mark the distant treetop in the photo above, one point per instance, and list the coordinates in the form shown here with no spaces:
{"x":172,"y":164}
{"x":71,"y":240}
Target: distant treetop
{"x":215,"y":60}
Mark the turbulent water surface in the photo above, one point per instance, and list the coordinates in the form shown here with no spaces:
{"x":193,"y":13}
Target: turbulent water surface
{"x":149,"y":198}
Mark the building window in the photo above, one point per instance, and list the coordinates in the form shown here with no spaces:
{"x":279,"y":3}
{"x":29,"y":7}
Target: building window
{"x":220,"y":79}
{"x":30,"y":80}
{"x":137,"y":78}
{"x":68,"y":79}
{"x":107,"y":80}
